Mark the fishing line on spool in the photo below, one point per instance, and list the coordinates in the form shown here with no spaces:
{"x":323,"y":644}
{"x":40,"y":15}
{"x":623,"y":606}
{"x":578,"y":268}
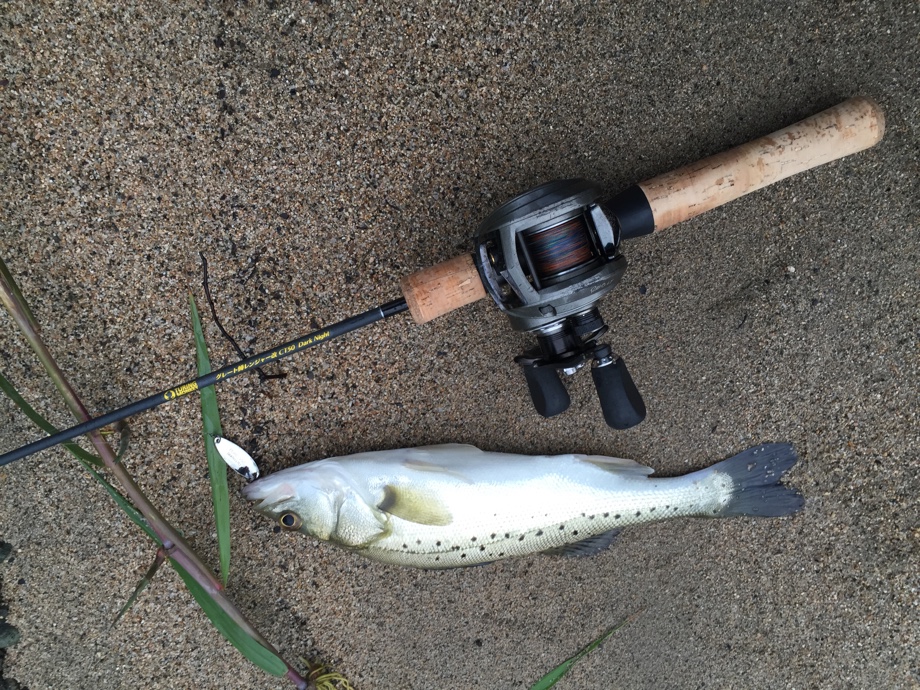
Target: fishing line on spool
{"x":560,"y":251}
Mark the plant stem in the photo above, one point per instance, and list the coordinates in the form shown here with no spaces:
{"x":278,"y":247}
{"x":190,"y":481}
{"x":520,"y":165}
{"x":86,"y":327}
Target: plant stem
{"x":176,"y":546}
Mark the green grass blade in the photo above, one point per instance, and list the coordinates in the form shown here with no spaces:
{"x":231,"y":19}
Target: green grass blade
{"x":554,"y":676}
{"x":263,"y":658}
{"x":142,"y":585}
{"x":43,"y":423}
{"x":217,"y":469}
{"x":229,"y":628}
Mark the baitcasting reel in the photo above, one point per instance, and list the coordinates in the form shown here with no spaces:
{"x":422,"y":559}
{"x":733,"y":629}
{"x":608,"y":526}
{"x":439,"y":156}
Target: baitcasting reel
{"x":547,"y":257}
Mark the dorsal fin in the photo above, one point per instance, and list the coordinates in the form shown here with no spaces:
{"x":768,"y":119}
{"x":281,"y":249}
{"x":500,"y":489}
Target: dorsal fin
{"x":465,"y":447}
{"x":414,"y":505}
{"x":616,"y":465}
{"x":441,"y":458}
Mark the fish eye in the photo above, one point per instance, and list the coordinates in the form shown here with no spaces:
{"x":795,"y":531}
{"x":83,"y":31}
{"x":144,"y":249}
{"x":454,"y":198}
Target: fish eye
{"x":290,"y":520}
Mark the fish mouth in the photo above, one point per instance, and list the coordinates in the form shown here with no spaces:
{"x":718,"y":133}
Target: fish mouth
{"x":268,"y":493}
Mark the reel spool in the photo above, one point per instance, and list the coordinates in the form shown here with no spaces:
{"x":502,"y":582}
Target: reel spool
{"x":547,"y":257}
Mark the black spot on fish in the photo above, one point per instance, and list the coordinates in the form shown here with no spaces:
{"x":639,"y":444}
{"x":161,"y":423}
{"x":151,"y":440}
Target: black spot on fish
{"x":666,"y":507}
{"x":437,"y":543}
{"x":493,"y":535}
{"x":507,"y":535}
{"x":574,"y":531}
{"x":616,"y":517}
{"x":521,"y":538}
{"x":482,"y":548}
{"x":473,"y":539}
{"x":652,"y":509}
{"x":638,"y":513}
{"x":437,"y":558}
{"x":454,"y":548}
{"x":462,"y":555}
{"x":590,"y":517}
{"x":539,"y":532}
{"x":606,"y":514}
{"x":583,"y":515}
{"x":501,"y":554}
{"x":418,"y":541}
{"x":561,"y":527}
{"x":405,"y":546}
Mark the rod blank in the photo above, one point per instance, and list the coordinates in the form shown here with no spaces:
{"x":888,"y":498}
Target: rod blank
{"x":297,"y":345}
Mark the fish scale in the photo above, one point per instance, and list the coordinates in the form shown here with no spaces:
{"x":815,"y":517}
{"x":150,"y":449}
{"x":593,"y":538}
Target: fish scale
{"x":455,"y":505}
{"x":577,"y":513}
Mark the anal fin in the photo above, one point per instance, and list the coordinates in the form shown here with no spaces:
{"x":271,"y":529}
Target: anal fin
{"x":586,"y":547}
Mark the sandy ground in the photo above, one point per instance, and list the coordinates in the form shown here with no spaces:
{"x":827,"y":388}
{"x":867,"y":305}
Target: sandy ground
{"x":315,"y":153}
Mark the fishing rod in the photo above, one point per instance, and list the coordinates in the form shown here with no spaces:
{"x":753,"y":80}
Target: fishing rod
{"x":549,"y":255}
{"x":297,"y":345}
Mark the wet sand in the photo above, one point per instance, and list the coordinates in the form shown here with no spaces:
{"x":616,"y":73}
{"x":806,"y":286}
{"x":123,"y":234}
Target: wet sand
{"x":316,"y":153}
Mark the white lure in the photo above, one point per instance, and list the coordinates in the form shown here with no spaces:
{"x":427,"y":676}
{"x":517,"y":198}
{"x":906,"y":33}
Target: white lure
{"x":236,"y":458}
{"x":455,"y":505}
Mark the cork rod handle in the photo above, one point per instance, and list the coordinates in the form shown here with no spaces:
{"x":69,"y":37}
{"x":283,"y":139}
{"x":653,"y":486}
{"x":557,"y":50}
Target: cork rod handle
{"x":851,"y":126}
{"x":441,"y":288}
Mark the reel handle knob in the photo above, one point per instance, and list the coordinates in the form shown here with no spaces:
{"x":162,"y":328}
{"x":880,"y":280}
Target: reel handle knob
{"x":547,"y":391}
{"x":621,"y":402}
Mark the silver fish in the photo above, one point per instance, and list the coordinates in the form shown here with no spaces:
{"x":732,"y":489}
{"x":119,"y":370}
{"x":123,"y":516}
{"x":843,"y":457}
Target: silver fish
{"x":456,"y":505}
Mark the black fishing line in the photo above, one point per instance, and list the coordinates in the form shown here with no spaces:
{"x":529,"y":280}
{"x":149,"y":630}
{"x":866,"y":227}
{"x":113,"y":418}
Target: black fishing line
{"x":207,"y":293}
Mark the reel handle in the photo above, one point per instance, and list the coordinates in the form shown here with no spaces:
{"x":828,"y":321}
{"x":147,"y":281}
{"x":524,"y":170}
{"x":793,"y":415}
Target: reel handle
{"x":547,"y":392}
{"x":681,"y":194}
{"x":620,"y":400}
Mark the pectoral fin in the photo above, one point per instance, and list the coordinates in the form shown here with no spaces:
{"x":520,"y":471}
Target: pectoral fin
{"x":414,"y":505}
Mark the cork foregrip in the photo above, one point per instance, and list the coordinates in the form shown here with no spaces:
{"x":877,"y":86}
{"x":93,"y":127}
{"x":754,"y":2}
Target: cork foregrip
{"x":676,"y":196}
{"x":441,"y":288}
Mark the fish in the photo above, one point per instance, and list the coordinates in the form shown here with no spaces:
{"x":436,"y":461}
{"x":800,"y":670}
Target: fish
{"x":455,"y":505}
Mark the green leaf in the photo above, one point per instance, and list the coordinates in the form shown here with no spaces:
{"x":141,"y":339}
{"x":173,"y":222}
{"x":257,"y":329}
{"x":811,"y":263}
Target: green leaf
{"x":265,"y":659}
{"x":142,"y":585}
{"x":239,"y":638}
{"x":258,"y":654}
{"x":217,"y":469}
{"x":554,"y":676}
{"x":43,"y":423}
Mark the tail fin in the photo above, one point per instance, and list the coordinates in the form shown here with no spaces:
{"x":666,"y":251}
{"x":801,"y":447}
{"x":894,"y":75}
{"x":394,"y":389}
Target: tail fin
{"x":757,"y":490}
